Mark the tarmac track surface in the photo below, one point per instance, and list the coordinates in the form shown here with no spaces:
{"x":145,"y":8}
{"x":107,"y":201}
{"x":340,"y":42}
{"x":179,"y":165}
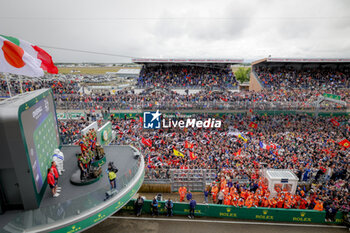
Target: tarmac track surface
{"x":181,"y":224}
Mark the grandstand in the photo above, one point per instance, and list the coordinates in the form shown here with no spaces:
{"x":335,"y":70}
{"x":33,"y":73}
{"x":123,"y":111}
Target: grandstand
{"x":187,"y":73}
{"x":288,"y":73}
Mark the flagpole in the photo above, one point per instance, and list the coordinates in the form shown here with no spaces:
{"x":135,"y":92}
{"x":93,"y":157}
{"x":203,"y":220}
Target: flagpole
{"x":8,"y":84}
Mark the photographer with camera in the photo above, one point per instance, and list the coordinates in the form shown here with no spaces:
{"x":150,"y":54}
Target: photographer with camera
{"x":112,"y":175}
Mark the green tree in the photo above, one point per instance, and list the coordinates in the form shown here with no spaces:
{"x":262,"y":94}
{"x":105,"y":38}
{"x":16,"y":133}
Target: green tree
{"x":242,"y":74}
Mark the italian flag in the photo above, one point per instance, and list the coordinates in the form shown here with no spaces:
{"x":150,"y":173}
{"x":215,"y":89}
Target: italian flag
{"x":21,"y":57}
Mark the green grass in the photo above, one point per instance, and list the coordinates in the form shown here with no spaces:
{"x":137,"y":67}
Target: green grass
{"x":91,"y":70}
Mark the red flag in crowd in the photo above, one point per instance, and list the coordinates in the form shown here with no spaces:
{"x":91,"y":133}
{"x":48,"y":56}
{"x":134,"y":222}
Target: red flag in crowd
{"x":188,"y":144}
{"x":327,"y":150}
{"x":224,"y":99}
{"x":192,"y":156}
{"x":345,"y":143}
{"x":335,"y":122}
{"x":253,"y":125}
{"x":146,"y":142}
{"x":238,"y":152}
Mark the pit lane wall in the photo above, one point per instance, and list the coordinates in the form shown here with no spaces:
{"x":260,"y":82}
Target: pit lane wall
{"x":224,"y":211}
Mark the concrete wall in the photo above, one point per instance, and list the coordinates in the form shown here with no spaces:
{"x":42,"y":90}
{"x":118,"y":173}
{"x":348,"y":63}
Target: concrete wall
{"x":155,"y":188}
{"x":254,"y":84}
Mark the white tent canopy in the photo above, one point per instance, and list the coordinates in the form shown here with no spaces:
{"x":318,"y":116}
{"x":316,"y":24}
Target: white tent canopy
{"x":281,"y":180}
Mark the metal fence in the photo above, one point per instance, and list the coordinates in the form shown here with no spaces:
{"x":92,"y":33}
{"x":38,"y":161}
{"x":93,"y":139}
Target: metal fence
{"x":193,"y":179}
{"x":199,"y":105}
{"x":152,"y":85}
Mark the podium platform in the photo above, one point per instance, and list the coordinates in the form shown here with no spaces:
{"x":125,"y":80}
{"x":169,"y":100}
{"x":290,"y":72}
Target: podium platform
{"x":80,"y":207}
{"x":75,"y":179}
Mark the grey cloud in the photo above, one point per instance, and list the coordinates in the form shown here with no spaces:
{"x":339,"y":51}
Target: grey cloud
{"x":242,"y":29}
{"x":227,"y":22}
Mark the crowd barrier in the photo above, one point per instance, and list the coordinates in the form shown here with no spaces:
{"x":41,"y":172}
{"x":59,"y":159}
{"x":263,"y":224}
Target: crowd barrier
{"x":194,"y":105}
{"x":78,"y":115}
{"x":224,"y":211}
{"x":220,"y":114}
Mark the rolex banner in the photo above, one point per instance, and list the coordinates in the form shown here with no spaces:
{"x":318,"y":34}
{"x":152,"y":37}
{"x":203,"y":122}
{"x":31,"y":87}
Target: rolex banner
{"x":104,"y":134}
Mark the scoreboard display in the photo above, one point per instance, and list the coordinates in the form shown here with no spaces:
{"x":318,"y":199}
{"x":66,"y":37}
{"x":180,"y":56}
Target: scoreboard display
{"x":39,"y":127}
{"x":28,"y":137}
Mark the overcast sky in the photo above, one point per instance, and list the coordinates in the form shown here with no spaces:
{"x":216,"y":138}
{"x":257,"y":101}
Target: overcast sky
{"x":249,"y":29}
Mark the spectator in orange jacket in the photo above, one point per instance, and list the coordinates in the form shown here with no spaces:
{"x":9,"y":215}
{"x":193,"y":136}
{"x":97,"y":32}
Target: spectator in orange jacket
{"x":214,"y":192}
{"x":265,"y":202}
{"x":249,"y":202}
{"x":182,"y":192}
{"x":222,"y":184}
{"x":273,"y":202}
{"x":233,"y":189}
{"x":256,"y":201}
{"x":244,"y":194}
{"x":318,"y":205}
{"x":226,"y":190}
{"x":235,"y":195}
{"x":234,"y":202}
{"x":280,"y":202}
{"x":227,"y":199}
{"x":303,"y":203}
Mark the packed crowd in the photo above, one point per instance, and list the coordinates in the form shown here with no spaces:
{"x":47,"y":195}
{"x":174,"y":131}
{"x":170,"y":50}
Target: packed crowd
{"x":70,"y":129}
{"x":265,"y":99}
{"x":68,"y":95}
{"x":186,"y":76}
{"x":308,"y":146}
{"x":306,"y":78}
{"x":63,"y":86}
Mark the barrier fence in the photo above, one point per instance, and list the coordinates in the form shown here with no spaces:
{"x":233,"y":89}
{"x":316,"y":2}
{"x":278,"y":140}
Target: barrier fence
{"x":224,"y":211}
{"x":194,"y":179}
{"x":220,"y":114}
{"x":180,"y":105}
{"x":136,"y":114}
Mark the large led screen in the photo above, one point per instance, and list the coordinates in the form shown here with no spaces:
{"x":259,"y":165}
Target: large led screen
{"x":39,"y":126}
